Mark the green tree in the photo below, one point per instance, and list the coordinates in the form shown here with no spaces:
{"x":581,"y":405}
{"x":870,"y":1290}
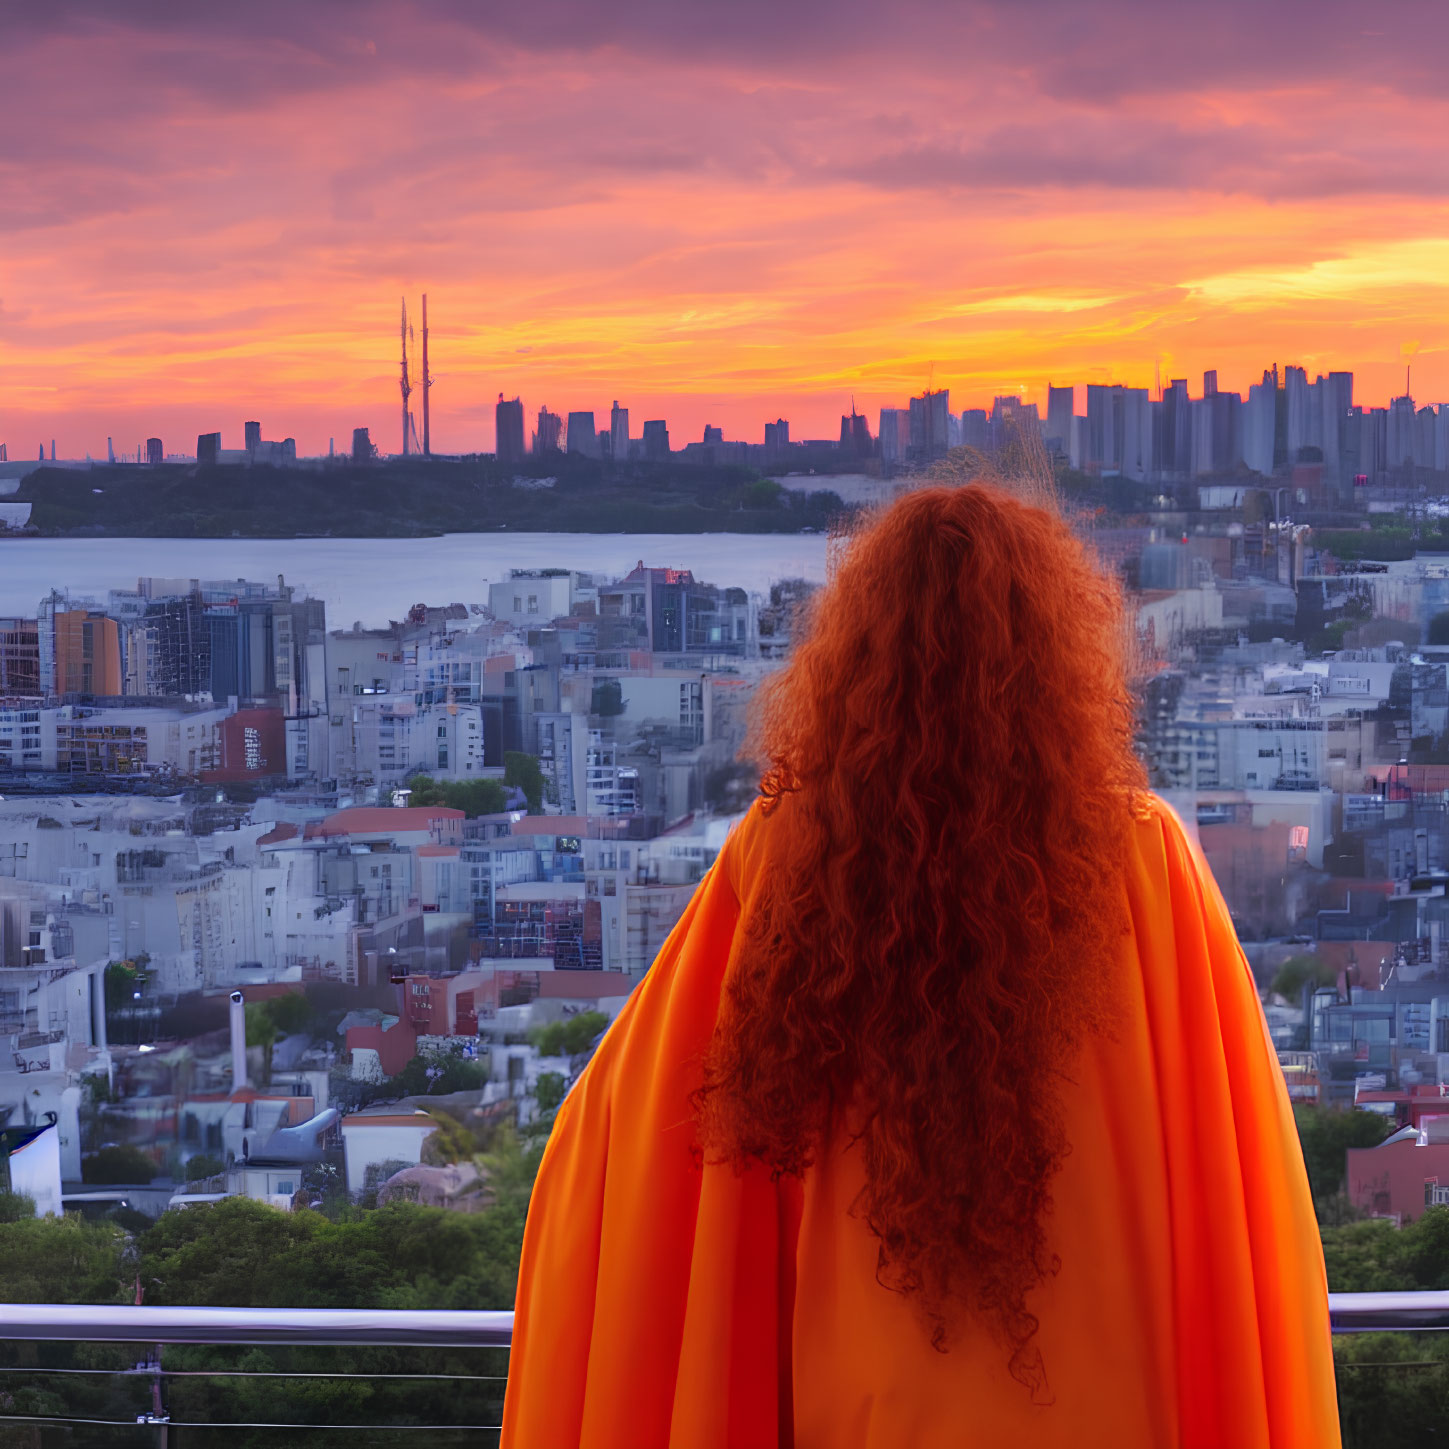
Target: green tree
{"x":1326,"y":1134}
{"x":572,"y":1036}
{"x":524,"y":773}
{"x":549,"y":1091}
{"x":1289,"y":979}
{"x":203,"y":1165}
{"x":437,"y":1074}
{"x":15,"y":1207}
{"x":473,"y":797}
{"x":262,"y":1032}
{"x":61,"y":1260}
{"x":290,"y":1014}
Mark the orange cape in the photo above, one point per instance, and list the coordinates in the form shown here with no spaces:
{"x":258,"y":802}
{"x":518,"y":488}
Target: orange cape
{"x":661,"y":1303}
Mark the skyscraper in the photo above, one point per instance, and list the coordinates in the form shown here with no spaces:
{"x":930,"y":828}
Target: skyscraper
{"x":1301,"y":430}
{"x":1060,"y":403}
{"x":619,"y":432}
{"x":547,"y":433}
{"x":1104,"y":426}
{"x":656,"y":441}
{"x":930,"y":433}
{"x":1258,"y":425}
{"x":854,"y":434}
{"x":582,"y":438}
{"x":508,"y":430}
{"x":895,"y":435}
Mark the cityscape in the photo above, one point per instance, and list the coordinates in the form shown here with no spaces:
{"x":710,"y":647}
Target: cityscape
{"x":1121,"y":431}
{"x":280,"y":895}
{"x":434,"y":443}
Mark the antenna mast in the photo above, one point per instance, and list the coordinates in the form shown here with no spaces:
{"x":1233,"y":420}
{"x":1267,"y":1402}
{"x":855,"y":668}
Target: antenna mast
{"x":427,"y":383}
{"x":405,"y":385}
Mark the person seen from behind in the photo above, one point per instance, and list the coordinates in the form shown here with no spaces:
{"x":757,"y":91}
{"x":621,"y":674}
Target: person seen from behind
{"x":947,"y":1115}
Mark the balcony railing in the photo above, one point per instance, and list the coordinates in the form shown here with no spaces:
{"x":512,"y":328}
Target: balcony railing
{"x":285,"y":1329}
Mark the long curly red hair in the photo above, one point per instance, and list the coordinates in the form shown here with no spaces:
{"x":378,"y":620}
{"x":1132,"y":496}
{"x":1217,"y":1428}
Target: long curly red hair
{"x":950,"y":752}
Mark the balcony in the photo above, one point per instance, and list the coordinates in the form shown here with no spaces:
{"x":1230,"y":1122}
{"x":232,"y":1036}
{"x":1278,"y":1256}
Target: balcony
{"x":181,"y":1378}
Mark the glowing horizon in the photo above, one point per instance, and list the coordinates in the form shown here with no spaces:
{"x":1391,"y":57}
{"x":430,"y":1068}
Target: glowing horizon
{"x":714,"y":217}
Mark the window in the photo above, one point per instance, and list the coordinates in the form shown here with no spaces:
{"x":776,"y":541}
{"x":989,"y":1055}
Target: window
{"x":286,"y":1185}
{"x":533,"y":603}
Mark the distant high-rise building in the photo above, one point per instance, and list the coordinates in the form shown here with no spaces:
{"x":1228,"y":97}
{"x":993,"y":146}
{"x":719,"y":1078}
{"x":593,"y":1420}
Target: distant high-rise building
{"x":1136,"y":438}
{"x":508,"y":430}
{"x":253,"y":441}
{"x":777,"y":436}
{"x":1335,"y":407}
{"x":619,"y":432}
{"x":930,"y":432}
{"x":154,"y":454}
{"x":1210,"y":383}
{"x":1301,"y":430}
{"x":1172,"y":449}
{"x":546,"y":435}
{"x":1105,"y":424}
{"x":1060,"y":403}
{"x":1258,"y":422}
{"x":84,"y":655}
{"x":975,"y":429}
{"x":713,"y":435}
{"x":362,"y":448}
{"x":582,"y":438}
{"x":208,"y":447}
{"x":1401,"y":434}
{"x":656,"y":441}
{"x":19,"y":657}
{"x":895,"y":435}
{"x":855,"y":434}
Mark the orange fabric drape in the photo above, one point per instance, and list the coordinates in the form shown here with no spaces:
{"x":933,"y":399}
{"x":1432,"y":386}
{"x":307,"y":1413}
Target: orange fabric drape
{"x":665,"y":1303}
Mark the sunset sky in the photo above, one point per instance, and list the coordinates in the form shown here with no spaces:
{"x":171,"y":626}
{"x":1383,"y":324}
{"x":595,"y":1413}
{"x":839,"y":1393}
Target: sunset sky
{"x":713,"y":212}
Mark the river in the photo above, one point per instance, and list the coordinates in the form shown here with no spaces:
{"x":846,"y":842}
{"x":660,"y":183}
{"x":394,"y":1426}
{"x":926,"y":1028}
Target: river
{"x":372,"y":580}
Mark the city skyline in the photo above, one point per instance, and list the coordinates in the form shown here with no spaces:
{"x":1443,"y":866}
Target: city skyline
{"x":717,"y":218}
{"x":1205,"y":384}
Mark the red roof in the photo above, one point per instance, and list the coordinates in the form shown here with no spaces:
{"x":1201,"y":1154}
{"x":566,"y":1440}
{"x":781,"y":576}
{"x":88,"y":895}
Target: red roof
{"x":387,"y":819}
{"x":437,"y":850}
{"x":279,"y":832}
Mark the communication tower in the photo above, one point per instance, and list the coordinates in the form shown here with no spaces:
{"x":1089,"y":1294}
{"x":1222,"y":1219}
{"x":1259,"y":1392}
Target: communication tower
{"x":404,"y":383}
{"x":427,"y":385}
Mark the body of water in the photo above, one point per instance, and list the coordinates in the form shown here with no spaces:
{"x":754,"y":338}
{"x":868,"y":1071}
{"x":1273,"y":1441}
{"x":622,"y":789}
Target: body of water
{"x":372,"y":580}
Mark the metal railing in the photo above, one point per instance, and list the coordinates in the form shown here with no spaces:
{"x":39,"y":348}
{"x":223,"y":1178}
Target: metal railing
{"x":434,"y":1329}
{"x":294,"y":1327}
{"x":1408,"y":1312}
